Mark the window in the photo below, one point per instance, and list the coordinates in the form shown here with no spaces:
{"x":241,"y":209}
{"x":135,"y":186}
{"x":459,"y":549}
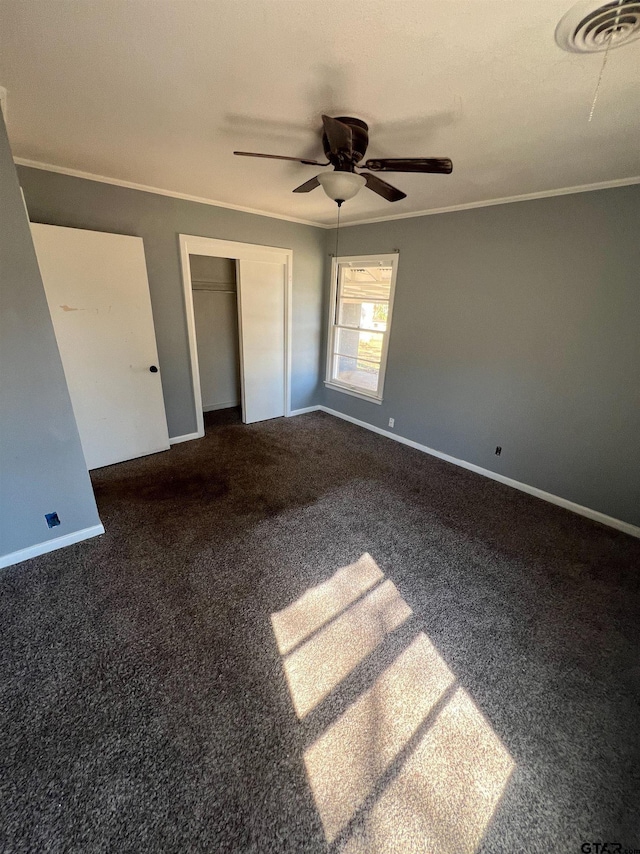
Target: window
{"x":359,"y":323}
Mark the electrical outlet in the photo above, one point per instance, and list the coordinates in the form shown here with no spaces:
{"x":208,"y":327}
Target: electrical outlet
{"x":52,"y":519}
{"x":498,"y":450}
{"x":392,"y":422}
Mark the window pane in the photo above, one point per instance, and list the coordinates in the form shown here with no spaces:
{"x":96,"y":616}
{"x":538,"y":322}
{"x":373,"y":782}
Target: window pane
{"x":365,"y":314}
{"x":368,"y":283}
{"x":354,"y":372}
{"x":363,"y":345}
{"x":360,"y":319}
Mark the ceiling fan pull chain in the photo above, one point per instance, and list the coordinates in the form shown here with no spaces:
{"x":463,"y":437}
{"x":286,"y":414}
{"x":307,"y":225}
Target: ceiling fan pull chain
{"x":604,"y":62}
{"x":337,"y":264}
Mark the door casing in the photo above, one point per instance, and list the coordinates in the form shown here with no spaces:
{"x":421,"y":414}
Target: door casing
{"x":194,"y":245}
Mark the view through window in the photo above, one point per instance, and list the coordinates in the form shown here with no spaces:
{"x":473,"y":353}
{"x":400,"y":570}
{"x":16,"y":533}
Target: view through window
{"x":362,"y":299}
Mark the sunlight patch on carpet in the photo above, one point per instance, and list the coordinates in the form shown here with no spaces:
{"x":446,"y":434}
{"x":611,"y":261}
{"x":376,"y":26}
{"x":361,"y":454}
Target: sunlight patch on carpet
{"x":411,"y":765}
{"x":314,"y":669}
{"x":320,"y":604}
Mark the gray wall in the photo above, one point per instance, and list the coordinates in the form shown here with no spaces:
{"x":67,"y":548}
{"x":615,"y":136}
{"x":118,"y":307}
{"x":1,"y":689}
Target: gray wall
{"x":75,"y":202}
{"x":519,"y":325}
{"x":42,"y":467}
{"x":207,"y":269}
{"x":215,"y":308}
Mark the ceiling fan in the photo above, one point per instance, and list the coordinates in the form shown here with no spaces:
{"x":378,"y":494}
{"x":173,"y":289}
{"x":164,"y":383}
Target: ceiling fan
{"x":345,"y":141}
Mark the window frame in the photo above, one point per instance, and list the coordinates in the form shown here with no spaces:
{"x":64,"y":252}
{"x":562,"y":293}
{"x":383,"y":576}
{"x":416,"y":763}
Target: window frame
{"x":382,"y":260}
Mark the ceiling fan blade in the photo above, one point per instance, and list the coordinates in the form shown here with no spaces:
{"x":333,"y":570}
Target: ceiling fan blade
{"x":281,"y":157}
{"x":391,"y":194}
{"x":307,"y":186}
{"x":339,"y":135}
{"x":436,"y":165}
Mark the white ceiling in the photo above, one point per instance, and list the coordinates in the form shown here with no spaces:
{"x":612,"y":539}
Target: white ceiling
{"x":160,"y":92}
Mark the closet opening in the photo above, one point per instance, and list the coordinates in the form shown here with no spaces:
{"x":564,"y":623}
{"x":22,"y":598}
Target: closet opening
{"x":237,"y":299}
{"x":215,"y":307}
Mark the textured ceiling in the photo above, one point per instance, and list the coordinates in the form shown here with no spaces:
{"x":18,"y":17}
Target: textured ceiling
{"x":160,"y":93}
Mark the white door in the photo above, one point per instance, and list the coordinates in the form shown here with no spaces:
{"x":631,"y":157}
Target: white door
{"x":261,"y":303}
{"x":98,"y":295}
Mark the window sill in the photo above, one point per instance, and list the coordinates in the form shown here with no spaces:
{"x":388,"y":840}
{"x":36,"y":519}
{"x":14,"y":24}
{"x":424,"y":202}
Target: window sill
{"x":353,"y":392}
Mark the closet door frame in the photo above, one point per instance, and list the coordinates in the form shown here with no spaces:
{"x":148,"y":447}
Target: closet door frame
{"x":194,"y":245}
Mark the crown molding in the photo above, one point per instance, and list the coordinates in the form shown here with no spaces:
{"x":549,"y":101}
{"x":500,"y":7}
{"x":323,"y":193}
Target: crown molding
{"x":524,"y":197}
{"x":145,"y":188}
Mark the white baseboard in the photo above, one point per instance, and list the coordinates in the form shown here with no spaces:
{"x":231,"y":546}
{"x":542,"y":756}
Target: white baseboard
{"x":306,"y":409}
{"x":186,"y":438}
{"x":596,"y":515}
{"x":50,"y":545}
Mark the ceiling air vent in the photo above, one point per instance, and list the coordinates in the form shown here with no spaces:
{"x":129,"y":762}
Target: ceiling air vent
{"x":593,"y":26}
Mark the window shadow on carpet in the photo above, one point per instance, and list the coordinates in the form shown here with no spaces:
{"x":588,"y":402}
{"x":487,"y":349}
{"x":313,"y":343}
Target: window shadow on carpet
{"x":410,"y":764}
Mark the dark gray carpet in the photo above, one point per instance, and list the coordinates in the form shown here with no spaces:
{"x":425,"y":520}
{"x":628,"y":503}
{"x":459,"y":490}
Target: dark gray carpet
{"x":144,"y":706}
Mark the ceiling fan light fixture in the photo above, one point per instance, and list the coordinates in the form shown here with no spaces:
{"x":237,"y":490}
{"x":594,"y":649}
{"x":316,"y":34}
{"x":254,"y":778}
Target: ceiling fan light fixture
{"x":345,"y":142}
{"x":341,"y":186}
